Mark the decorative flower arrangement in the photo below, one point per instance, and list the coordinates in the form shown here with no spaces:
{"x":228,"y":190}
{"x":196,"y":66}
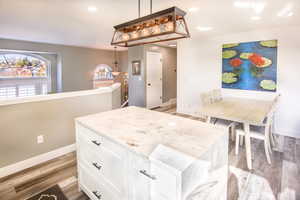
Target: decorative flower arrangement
{"x":236,"y":62}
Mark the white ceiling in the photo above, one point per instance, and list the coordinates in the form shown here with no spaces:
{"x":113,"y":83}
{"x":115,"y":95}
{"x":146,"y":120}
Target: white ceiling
{"x":69,"y":22}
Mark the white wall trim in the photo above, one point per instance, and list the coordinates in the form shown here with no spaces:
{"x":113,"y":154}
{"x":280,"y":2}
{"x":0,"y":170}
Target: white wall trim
{"x":19,"y":166}
{"x":55,"y":96}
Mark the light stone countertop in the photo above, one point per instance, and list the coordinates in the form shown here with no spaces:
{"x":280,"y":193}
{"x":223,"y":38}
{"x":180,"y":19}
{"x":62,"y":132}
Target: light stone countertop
{"x":142,"y":130}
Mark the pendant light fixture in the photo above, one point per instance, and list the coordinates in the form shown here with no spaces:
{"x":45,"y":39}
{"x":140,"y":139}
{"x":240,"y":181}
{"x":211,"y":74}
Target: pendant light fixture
{"x":116,"y":59}
{"x":165,"y":25}
{"x":116,"y":71}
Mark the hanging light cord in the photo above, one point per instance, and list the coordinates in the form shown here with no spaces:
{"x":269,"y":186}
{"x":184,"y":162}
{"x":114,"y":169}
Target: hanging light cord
{"x":139,"y":7}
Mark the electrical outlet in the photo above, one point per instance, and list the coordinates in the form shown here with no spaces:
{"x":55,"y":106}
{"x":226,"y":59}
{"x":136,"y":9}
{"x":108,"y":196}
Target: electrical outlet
{"x":40,"y":139}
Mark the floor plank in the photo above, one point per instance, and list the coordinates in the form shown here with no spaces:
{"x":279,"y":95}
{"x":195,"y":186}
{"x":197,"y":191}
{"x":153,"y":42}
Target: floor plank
{"x":290,"y":182}
{"x":289,"y":149}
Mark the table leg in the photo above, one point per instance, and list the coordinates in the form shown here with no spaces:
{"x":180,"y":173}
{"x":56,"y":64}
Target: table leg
{"x":248,"y":145}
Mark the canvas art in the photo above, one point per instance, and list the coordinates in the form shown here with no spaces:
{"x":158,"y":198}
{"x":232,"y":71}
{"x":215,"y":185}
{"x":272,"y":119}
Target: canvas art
{"x":136,"y":67}
{"x":250,"y":66}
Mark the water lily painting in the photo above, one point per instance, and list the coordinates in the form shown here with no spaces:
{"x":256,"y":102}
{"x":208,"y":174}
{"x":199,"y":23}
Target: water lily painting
{"x":250,"y":66}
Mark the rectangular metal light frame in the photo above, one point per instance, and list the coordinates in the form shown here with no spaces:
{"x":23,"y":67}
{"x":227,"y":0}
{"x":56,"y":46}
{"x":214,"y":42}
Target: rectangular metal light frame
{"x":175,"y":13}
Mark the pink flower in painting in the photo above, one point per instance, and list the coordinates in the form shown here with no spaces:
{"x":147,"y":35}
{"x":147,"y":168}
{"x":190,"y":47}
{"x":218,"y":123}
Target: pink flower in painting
{"x":236,"y":62}
{"x":257,"y":60}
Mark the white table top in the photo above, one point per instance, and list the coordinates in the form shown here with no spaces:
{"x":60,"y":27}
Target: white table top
{"x":142,"y":130}
{"x":239,"y":110}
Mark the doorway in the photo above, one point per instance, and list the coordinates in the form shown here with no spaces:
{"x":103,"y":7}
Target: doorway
{"x":154,"y":85}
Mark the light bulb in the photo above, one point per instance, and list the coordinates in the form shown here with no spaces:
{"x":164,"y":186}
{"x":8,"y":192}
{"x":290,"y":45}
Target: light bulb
{"x":169,"y":26}
{"x":125,"y":37}
{"x":134,"y":34}
{"x":156,"y":29}
{"x":145,"y":32}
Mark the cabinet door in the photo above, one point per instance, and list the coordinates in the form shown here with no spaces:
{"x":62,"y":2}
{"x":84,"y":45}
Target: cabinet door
{"x":139,"y":183}
{"x":167,"y":185}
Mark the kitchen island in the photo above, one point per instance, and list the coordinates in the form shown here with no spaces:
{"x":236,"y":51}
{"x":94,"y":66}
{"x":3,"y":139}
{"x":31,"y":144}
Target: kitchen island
{"x":138,"y":154}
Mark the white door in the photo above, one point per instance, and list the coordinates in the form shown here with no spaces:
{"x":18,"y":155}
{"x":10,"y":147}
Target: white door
{"x":154,"y":79}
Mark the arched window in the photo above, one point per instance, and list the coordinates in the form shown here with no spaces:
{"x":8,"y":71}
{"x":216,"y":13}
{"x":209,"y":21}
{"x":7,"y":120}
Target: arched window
{"x":23,"y":75}
{"x":103,"y":72}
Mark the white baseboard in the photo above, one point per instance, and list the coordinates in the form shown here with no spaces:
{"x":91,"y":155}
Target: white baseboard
{"x":19,"y":166}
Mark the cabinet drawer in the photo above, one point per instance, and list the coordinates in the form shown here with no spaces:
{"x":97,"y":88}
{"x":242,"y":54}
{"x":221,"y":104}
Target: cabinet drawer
{"x":94,"y":189}
{"x":87,"y":138}
{"x":107,"y":164}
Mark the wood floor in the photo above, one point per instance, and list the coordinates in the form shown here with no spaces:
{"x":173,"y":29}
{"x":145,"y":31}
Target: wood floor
{"x":279,"y":181}
{"x":61,"y":171}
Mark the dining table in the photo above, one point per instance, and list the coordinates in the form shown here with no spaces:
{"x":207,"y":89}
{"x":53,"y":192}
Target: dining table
{"x":241,"y":110}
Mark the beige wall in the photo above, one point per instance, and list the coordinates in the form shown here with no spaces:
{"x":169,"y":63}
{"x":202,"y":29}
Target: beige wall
{"x":123,"y":58}
{"x":78,"y":63}
{"x":21,"y":123}
{"x":169,"y":72}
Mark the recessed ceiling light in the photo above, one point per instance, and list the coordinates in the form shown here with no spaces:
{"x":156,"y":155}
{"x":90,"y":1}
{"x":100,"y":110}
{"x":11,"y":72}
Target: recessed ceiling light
{"x":193,"y":9}
{"x":172,"y":45}
{"x":255,"y":18}
{"x":204,"y":28}
{"x":242,"y":4}
{"x":172,"y":124}
{"x":286,"y":11}
{"x":92,"y":9}
{"x":258,"y":7}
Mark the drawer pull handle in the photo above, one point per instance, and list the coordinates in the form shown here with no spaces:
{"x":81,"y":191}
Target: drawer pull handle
{"x":97,"y":165}
{"x":144,"y":172}
{"x":96,"y":142}
{"x":97,"y":194}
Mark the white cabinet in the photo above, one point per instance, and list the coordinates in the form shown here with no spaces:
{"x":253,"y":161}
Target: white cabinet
{"x":102,"y":160}
{"x":110,"y":171}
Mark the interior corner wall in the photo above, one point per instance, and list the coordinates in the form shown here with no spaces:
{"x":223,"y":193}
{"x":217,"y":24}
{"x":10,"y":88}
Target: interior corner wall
{"x":200,"y":70}
{"x":77,"y":63}
{"x":137,"y":83}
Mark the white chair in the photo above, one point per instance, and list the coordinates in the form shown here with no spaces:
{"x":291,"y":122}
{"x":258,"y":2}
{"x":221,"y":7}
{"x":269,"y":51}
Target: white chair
{"x":261,"y":132}
{"x":206,"y":99}
{"x":216,"y":95}
{"x":274,"y":107}
{"x":228,"y":125}
{"x":209,"y":98}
